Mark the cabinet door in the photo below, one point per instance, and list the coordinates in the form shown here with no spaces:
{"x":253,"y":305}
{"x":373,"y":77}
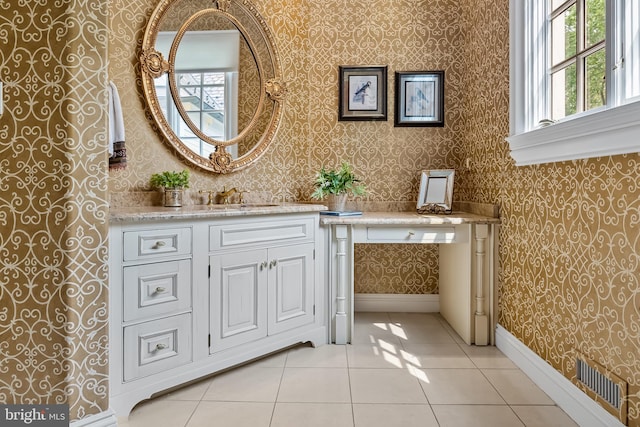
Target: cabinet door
{"x":291,"y":287}
{"x":238,"y":286}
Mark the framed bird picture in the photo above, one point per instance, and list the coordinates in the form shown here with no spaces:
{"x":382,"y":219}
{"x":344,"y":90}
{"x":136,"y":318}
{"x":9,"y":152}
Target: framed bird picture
{"x":363,"y":93}
{"x":419,"y":98}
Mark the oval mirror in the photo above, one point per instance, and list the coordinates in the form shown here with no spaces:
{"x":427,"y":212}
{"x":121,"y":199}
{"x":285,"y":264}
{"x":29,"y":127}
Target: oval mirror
{"x":211,"y":78}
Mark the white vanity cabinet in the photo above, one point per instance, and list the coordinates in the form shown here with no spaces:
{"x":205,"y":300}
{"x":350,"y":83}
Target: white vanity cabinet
{"x":260,"y":293}
{"x":196,"y":293}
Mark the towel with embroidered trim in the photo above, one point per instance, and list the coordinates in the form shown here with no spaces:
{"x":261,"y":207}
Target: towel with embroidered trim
{"x":117,"y":150}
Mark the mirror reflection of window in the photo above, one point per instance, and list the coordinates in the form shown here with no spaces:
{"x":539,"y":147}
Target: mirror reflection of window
{"x":207,"y":82}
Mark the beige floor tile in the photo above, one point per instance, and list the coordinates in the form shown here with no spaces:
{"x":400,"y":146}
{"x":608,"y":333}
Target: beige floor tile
{"x":436,"y":334}
{"x":160,"y":414}
{"x":385,"y":386}
{"x":312,"y":415}
{"x":424,"y":355}
{"x":245,"y":384}
{"x":370,"y":317}
{"x":459,"y":387}
{"x":326,"y":356}
{"x":373,"y":333}
{"x":417,"y":319}
{"x":516,"y":388}
{"x":421,"y":328}
{"x":397,"y":365}
{"x":275,"y":360}
{"x":543,"y":416}
{"x":387,"y":415}
{"x":476,"y":416}
{"x":321,"y":385}
{"x":488,"y":357}
{"x":457,"y":338}
{"x":230,"y":414}
{"x":379,"y":355}
{"x":193,"y":391}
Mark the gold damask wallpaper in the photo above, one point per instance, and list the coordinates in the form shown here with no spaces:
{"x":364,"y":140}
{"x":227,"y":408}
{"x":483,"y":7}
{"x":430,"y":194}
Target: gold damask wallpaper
{"x":53,"y":205}
{"x":569,"y":242}
{"x":570,"y":231}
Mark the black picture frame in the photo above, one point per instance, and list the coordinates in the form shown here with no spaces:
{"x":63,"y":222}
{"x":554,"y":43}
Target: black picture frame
{"x":363,"y":93}
{"x":419,"y":98}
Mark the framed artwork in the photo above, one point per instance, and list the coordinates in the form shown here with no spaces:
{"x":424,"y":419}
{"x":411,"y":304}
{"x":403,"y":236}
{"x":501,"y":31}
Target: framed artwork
{"x":419,"y":98}
{"x":363,"y":93}
{"x":436,"y":191}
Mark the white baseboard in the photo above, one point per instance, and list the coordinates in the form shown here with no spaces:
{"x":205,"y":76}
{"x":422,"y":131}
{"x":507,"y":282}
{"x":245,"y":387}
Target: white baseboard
{"x":584,"y":411}
{"x":103,"y":419}
{"x":403,"y":303}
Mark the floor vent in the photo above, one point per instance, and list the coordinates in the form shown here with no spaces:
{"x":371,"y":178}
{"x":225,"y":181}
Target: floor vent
{"x":603,"y":386}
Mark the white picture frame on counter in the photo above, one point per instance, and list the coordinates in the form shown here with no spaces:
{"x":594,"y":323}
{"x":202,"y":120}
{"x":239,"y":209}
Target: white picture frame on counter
{"x":436,"y":191}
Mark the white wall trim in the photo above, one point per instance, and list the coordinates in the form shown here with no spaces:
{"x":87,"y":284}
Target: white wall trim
{"x":584,"y":411}
{"x":407,"y":303}
{"x":103,"y":419}
{"x":604,"y":133}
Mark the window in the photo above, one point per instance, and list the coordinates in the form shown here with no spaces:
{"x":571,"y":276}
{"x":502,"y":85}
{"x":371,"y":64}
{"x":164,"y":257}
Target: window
{"x":204,"y":96}
{"x":577,"y":49}
{"x":575,"y":79}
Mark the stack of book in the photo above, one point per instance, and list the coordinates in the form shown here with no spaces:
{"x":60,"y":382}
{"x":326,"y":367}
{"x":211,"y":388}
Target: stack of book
{"x":341,"y":213}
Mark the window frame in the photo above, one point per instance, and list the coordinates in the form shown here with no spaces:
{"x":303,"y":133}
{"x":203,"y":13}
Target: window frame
{"x":614,"y":129}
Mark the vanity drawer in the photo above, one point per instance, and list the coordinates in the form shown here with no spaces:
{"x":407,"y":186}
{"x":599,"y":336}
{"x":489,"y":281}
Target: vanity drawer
{"x":405,"y":234}
{"x":156,"y":289}
{"x":238,"y":235}
{"x":146,"y":244}
{"x":153,"y":347}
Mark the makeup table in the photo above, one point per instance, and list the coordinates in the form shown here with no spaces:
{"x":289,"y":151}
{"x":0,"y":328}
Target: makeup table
{"x":467,"y":257}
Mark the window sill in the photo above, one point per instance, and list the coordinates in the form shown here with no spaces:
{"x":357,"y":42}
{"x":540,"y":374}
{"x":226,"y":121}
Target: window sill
{"x":605,"y":133}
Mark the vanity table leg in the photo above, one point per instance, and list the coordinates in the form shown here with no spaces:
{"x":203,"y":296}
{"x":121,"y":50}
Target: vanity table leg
{"x":481,"y":318}
{"x":343,"y":257}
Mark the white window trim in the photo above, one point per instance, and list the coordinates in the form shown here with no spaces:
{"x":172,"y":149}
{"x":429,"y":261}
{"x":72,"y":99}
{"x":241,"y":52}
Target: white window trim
{"x":595,"y":134}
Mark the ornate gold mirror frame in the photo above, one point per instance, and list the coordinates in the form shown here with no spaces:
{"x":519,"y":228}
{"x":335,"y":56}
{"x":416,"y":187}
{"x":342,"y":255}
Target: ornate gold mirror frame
{"x":272,"y":88}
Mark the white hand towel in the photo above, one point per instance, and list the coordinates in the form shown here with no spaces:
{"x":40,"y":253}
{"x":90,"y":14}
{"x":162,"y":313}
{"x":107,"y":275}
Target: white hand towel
{"x":117,"y":150}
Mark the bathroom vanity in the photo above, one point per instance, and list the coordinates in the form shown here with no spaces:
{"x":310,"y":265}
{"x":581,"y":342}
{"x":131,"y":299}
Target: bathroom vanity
{"x":199,"y":289}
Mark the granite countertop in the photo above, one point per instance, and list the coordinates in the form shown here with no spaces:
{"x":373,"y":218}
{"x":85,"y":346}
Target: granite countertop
{"x":148,"y":213}
{"x":408,"y":218}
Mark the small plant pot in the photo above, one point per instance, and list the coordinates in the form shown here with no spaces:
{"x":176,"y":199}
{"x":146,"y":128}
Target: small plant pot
{"x":173,"y":197}
{"x":336,"y":202}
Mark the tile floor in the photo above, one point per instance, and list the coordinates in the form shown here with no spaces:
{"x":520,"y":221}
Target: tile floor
{"x":402,"y":369}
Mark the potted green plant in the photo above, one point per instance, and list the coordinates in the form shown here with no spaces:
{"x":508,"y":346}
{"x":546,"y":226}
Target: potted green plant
{"x":173,"y":183}
{"x":336,"y":184}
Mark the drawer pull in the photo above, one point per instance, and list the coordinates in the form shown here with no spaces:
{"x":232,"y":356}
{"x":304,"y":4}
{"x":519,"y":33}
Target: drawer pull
{"x":161,"y":346}
{"x":161,"y":290}
{"x":159,"y":244}
{"x":412,"y":233}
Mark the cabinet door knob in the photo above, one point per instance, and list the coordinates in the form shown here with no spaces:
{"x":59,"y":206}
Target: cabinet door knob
{"x":273,"y":263}
{"x":161,"y":346}
{"x":263,"y":265}
{"x":159,"y":244}
{"x":161,"y":290}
